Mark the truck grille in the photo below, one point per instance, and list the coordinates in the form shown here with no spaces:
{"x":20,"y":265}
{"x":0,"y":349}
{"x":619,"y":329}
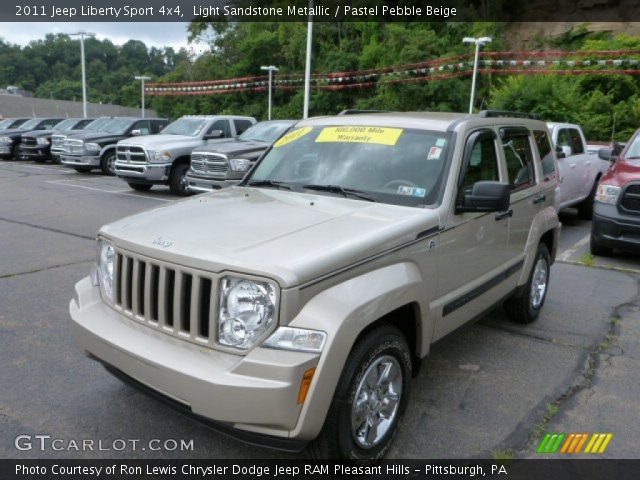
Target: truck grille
{"x":631,"y":199}
{"x":29,"y":141}
{"x":175,"y":300}
{"x":73,"y":147}
{"x":131,"y":154}
{"x":211,"y":164}
{"x":57,"y":143}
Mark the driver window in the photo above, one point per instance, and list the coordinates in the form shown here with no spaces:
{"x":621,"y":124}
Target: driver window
{"x":483,"y":164}
{"x":220,"y":125}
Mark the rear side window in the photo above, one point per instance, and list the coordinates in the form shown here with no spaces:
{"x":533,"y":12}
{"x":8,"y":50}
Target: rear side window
{"x":81,"y":124}
{"x":543,"y":144}
{"x":241,"y":125}
{"x":157,"y":125}
{"x":517,"y":153}
{"x":49,"y":124}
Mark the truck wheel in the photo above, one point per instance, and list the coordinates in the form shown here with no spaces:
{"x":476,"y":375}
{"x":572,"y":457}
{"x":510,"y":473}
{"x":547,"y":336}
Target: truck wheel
{"x":178,"y":179}
{"x":82,"y":169}
{"x":525,"y":305}
{"x":585,"y":208}
{"x":140,"y":187}
{"x":599,"y":250}
{"x":370,"y":399}
{"x":15,"y":153}
{"x":108,"y":163}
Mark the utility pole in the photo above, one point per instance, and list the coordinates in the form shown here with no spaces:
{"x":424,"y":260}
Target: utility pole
{"x":142,"y":78}
{"x":269,"y":69}
{"x":83,"y":34}
{"x":478,"y":42}
{"x":307,"y":68}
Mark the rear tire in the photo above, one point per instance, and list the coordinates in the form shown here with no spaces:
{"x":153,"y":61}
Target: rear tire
{"x":82,"y":169}
{"x":178,"y":179}
{"x":107,"y":163}
{"x":140,"y":187}
{"x":525,"y":305}
{"x":364,"y":392}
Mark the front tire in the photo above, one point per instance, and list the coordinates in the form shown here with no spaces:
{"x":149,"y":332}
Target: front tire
{"x":178,"y":179}
{"x":369,"y":400}
{"x":140,"y":187}
{"x":108,"y":163}
{"x":598,"y":250}
{"x":585,"y":208}
{"x":525,"y":305}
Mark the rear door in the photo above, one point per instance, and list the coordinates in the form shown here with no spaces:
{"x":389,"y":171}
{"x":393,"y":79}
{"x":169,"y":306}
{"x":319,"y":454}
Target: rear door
{"x":570,"y":168}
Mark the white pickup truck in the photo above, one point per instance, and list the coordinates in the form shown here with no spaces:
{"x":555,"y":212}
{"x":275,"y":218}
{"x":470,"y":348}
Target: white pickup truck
{"x":579,"y":170}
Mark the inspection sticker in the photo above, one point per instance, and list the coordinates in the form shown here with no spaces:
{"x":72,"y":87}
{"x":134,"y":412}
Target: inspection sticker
{"x":411,"y":191}
{"x":434,"y":153}
{"x":292,"y":136}
{"x":354,"y":134}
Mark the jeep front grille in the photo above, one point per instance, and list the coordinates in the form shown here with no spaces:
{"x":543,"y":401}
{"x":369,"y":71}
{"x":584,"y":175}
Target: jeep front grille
{"x":57,"y":143}
{"x":73,"y":147}
{"x":630,"y":202}
{"x":173,"y":299}
{"x":131,"y":154}
{"x":210,"y":164}
{"x":29,"y":141}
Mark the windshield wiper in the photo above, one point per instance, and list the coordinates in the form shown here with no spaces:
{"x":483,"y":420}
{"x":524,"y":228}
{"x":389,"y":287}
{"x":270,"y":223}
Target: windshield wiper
{"x":342,"y":190}
{"x":270,"y":183}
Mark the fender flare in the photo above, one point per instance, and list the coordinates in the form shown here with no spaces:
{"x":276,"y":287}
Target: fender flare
{"x":106,"y":148}
{"x":545,"y":221}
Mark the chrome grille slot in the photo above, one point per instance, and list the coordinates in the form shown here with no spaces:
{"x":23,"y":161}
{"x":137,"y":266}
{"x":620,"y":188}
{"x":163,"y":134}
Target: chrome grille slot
{"x":29,"y":141}
{"x":175,"y":300}
{"x":131,"y":154}
{"x":57,"y":142}
{"x":73,"y":147}
{"x":212,"y":164}
{"x":630,"y":201}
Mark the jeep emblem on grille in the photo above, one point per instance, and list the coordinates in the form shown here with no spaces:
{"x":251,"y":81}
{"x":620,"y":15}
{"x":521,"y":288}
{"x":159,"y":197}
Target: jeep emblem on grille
{"x":161,"y":242}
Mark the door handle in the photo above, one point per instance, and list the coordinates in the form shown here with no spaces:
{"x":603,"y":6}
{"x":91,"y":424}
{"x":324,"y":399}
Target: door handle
{"x":572,"y":165}
{"x":501,"y":215}
{"x":539,"y":199}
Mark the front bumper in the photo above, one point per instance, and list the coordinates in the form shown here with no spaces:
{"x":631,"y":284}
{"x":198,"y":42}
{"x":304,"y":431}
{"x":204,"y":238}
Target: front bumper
{"x":34,"y":153}
{"x":613,"y":229}
{"x":80,"y":160}
{"x":254,"y":393}
{"x":145,"y":172}
{"x":204,"y":184}
{"x":5,"y":149}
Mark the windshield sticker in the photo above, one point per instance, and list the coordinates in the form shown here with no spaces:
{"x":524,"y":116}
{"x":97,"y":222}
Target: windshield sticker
{"x":441,"y":142}
{"x":292,"y":136}
{"x":377,"y":135}
{"x":434,"y":153}
{"x":411,"y":191}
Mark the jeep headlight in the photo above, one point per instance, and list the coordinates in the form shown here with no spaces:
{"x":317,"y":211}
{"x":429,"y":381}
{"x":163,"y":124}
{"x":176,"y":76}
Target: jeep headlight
{"x":161,"y":156}
{"x":6,"y":140}
{"x":239,"y":164}
{"x":106,"y":259}
{"x":247,"y":311}
{"x":92,"y":147}
{"x":607,"y":194}
{"x":42,"y":141}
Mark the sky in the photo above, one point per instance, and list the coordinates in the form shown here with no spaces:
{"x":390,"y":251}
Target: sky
{"x":153,"y":34}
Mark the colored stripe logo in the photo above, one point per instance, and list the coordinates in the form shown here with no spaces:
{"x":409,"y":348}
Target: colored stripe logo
{"x":573,"y":443}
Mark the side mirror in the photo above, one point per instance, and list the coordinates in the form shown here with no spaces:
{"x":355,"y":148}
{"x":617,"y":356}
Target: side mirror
{"x":486,"y":196}
{"x":559,"y":152}
{"x":607,"y":153}
{"x":136,"y":132}
{"x":213,"y":135}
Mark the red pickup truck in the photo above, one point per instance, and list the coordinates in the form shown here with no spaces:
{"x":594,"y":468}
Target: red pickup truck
{"x":616,"y":214}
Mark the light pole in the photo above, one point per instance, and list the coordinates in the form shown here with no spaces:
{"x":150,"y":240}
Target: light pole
{"x":307,"y":67}
{"x":83,"y":34}
{"x":479,"y":42}
{"x":269,"y":69}
{"x":142,"y":78}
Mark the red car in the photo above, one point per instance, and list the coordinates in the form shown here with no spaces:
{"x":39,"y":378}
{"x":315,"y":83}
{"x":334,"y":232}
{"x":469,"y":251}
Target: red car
{"x":616,"y":208}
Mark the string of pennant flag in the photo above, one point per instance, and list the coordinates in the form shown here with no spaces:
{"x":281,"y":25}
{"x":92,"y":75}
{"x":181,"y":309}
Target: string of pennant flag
{"x":601,"y":62}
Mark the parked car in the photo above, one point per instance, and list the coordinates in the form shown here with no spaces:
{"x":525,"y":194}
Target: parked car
{"x":10,"y":123}
{"x":296,"y":307}
{"x":11,"y":138}
{"x":164,"y":159}
{"x":214,"y":166}
{"x":57,"y":138}
{"x":579,"y":171}
{"x":90,"y":150}
{"x":616,"y":216}
{"x":36,"y":145}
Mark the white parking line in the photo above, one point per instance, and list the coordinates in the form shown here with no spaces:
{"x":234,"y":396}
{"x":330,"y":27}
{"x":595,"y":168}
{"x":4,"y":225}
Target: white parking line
{"x":128,"y":193}
{"x":564,"y":256}
{"x":52,"y":169}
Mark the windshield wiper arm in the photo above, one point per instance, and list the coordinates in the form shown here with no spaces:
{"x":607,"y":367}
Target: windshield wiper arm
{"x":270,"y":183}
{"x":338,"y":189}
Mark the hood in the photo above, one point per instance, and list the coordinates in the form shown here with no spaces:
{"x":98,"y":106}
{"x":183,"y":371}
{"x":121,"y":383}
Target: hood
{"x":288,"y":236}
{"x":14,"y":132}
{"x":160,"y":141}
{"x":41,"y":133}
{"x":233,"y":147}
{"x":625,"y":171}
{"x":95,"y":136}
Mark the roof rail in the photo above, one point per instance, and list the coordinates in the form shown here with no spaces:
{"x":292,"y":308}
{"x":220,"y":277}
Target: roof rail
{"x":507,"y":113}
{"x":355,"y":111}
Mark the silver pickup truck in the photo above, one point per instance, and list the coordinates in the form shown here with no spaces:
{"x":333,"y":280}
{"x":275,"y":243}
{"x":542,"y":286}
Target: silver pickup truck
{"x":163,"y":159}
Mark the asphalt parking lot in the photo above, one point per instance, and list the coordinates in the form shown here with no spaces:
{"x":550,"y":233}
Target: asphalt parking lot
{"x":487,"y":391}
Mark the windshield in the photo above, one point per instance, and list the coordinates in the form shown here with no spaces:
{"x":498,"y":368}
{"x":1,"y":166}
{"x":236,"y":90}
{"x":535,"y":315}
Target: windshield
{"x":6,"y":123}
{"x":633,"y":152}
{"x":267,"y":132}
{"x":30,"y":124}
{"x":98,"y":124}
{"x":118,"y":126}
{"x":391,"y":165}
{"x":66,"y":124}
{"x":185,"y":126}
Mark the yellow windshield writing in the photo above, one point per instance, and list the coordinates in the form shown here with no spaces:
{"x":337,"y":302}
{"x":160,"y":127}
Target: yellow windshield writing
{"x":292,"y":136}
{"x":355,"y":134}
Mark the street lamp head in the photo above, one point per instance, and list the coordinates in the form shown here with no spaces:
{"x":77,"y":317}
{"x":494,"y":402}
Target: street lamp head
{"x":484,"y":40}
{"x":83,"y":33}
{"x":271,"y":68}
{"x":142,"y":77}
{"x":468,"y":40}
{"x":478,"y":41}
